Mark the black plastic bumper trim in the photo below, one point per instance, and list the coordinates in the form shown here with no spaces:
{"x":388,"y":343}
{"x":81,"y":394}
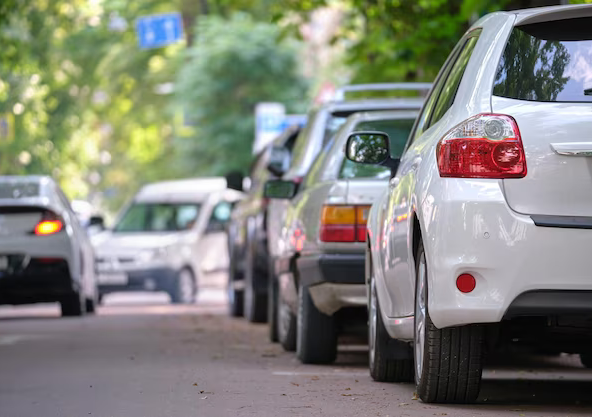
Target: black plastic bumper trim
{"x":566,"y":222}
{"x":334,"y":268}
{"x":551,"y":302}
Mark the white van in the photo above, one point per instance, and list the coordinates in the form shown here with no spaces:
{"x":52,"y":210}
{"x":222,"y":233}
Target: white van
{"x":167,"y":239}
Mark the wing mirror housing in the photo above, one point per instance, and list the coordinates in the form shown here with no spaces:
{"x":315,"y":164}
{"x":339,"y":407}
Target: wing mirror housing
{"x":280,"y":189}
{"x":235,"y":180}
{"x":370,"y":148}
{"x":279,"y":160}
{"x":97,"y":221}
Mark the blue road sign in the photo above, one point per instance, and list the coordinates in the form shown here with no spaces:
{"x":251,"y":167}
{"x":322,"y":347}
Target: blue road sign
{"x":159,"y":30}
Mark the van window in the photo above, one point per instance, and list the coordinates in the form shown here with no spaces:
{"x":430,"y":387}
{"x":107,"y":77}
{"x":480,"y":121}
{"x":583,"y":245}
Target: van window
{"x":158,"y":217}
{"x":549,"y":61}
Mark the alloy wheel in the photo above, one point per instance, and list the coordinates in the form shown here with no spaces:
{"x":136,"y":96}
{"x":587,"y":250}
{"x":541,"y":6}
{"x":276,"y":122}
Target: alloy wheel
{"x":420,"y":317}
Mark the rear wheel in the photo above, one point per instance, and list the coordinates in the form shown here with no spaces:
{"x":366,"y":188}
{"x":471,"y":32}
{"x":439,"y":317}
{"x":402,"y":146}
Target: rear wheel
{"x":183,"y":291}
{"x":235,"y":297}
{"x":73,"y":306}
{"x":272,"y":309}
{"x":448,"y":362}
{"x":90,"y":306}
{"x":390,"y":360}
{"x":586,"y":359}
{"x":317,"y":332}
{"x":255,"y":301}
{"x":286,"y":325}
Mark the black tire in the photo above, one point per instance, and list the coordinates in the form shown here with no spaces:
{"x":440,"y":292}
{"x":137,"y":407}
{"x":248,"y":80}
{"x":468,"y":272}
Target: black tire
{"x":184,"y":288}
{"x":390,"y":360}
{"x":255,"y":301}
{"x":316,"y":341}
{"x":235,"y":297}
{"x":286,"y":325}
{"x":452,"y":357}
{"x":72,"y":306}
{"x":272,"y":309}
{"x":91,"y":306}
{"x":586,"y":359}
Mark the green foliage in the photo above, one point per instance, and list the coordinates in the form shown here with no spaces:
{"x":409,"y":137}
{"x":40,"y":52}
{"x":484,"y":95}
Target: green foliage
{"x":232,"y":65}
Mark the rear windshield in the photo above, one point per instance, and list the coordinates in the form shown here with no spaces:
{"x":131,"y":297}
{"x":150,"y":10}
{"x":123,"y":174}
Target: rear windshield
{"x":550,"y":61}
{"x":158,"y":217}
{"x":19,"y":189}
{"x":398,"y":131}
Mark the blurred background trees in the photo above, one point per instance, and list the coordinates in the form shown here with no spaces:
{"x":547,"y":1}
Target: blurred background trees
{"x":79,"y":100}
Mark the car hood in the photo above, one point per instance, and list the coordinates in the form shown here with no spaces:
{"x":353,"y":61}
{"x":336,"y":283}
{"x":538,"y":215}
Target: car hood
{"x":129,"y":243}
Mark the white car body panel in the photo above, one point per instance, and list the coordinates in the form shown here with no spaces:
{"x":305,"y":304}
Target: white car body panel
{"x":482,"y":226}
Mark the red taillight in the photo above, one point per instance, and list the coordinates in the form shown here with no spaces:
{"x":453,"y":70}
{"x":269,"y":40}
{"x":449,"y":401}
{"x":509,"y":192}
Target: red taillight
{"x":48,"y":227}
{"x":484,"y":146}
{"x":341,"y":223}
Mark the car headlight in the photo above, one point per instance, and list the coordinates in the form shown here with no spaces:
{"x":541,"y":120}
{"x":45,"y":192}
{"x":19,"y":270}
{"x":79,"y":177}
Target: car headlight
{"x":151,"y":255}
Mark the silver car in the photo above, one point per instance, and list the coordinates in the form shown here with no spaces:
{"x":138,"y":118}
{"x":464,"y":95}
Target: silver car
{"x":45,"y":254}
{"x":170,"y":236}
{"x":323,"y":122}
{"x":324,"y":234}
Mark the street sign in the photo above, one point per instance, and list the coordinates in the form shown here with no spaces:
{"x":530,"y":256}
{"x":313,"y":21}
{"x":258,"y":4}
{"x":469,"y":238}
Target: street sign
{"x":269,"y":120}
{"x":159,"y":30}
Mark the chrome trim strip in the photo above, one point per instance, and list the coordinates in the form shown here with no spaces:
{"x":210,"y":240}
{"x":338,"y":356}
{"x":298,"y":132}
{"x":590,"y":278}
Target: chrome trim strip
{"x":573,"y":148}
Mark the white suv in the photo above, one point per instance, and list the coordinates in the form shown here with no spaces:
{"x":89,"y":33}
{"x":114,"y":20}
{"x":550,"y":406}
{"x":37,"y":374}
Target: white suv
{"x":483,"y":234}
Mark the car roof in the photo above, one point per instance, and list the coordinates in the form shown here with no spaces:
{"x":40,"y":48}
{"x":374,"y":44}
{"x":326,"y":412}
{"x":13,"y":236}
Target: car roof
{"x":383,"y":115}
{"x":373,"y":103}
{"x":550,"y":13}
{"x":188,"y":190}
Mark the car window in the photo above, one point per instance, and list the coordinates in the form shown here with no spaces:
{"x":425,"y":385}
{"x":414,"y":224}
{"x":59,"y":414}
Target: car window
{"x":421,"y":124}
{"x":450,"y":87}
{"x":220,"y":216}
{"x":398,"y":132}
{"x":158,"y":217}
{"x":547,"y":61}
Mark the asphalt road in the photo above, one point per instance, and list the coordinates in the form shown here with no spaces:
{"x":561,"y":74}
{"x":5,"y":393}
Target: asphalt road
{"x":142,"y":357}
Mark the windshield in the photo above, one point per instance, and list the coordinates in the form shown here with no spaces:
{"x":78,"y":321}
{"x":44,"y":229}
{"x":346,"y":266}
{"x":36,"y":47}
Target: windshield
{"x":550,"y":61}
{"x":398,"y":131}
{"x":158,"y":217}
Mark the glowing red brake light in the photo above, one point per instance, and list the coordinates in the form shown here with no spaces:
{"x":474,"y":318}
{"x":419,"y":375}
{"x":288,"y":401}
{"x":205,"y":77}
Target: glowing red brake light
{"x":484,"y":146}
{"x":48,"y":227}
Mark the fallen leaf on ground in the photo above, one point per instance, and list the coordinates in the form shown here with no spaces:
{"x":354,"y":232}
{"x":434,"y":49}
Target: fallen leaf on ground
{"x":315,"y":378}
{"x":293,"y":383}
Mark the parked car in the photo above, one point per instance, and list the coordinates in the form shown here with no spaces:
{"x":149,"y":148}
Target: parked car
{"x":45,"y":254}
{"x":482,"y":237}
{"x":171,"y":235}
{"x":323,"y":123}
{"x":247,"y":236}
{"x":323,"y":238}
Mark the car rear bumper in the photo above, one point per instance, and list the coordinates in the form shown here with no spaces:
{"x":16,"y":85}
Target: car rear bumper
{"x":149,"y":279}
{"x":474,"y":231}
{"x":334,"y":280}
{"x":331,"y":267}
{"x":38,"y":281}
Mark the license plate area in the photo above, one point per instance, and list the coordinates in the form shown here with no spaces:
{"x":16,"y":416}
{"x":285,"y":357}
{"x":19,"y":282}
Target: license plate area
{"x":113,"y":278}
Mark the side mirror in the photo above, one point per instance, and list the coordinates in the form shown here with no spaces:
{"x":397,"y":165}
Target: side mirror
{"x":97,"y":222}
{"x":235,"y":180}
{"x":280,"y":189}
{"x":370,"y":148}
{"x":279,"y":160}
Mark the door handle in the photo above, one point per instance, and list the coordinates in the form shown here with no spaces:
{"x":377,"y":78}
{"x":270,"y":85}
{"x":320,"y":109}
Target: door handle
{"x":416,"y":162}
{"x":573,"y":148}
{"x":394,"y":182}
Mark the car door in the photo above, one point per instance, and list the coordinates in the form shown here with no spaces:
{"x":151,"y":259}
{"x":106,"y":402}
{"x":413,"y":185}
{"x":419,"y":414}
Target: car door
{"x":398,"y":263}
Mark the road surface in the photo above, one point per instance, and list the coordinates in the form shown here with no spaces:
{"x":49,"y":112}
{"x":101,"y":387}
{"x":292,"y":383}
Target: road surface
{"x":142,"y":357}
